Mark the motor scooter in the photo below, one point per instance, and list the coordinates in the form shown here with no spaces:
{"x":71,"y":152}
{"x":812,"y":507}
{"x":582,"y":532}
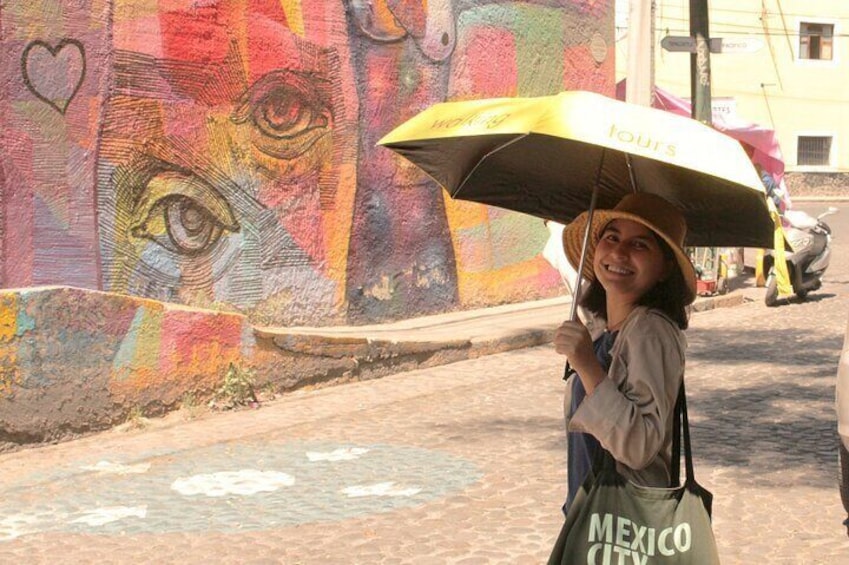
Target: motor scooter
{"x":810,"y":239}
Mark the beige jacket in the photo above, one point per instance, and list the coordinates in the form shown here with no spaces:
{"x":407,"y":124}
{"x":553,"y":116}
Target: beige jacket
{"x":630,"y":412}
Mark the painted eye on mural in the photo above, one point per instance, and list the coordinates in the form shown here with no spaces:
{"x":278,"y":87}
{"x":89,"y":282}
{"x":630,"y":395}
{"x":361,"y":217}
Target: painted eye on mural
{"x":288,"y":111}
{"x":182,"y":213}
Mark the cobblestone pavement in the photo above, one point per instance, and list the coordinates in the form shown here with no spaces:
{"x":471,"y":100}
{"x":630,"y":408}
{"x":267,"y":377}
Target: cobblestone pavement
{"x":459,"y":464}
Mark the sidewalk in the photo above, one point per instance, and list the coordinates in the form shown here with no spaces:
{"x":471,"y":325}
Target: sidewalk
{"x":476,"y":332}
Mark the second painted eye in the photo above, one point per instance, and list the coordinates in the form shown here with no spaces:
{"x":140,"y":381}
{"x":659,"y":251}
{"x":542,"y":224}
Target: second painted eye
{"x":283,"y":113}
{"x":191,"y":228}
{"x":182,"y":214}
{"x":289,"y":112}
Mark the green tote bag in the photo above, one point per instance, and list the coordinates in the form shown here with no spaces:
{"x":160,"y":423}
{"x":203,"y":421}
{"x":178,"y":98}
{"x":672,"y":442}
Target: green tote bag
{"x":612,"y":521}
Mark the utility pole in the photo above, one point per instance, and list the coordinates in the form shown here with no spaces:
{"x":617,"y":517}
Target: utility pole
{"x":700,"y":62}
{"x":639,"y":83}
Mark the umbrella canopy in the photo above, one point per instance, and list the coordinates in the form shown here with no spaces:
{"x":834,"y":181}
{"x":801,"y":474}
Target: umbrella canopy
{"x":547,"y":156}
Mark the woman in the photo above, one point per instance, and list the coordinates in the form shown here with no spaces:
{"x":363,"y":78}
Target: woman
{"x":626,"y":373}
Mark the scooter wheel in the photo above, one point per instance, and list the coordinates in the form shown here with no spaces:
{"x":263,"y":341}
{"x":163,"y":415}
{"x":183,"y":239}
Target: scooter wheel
{"x":722,"y":285}
{"x":771,"y":296}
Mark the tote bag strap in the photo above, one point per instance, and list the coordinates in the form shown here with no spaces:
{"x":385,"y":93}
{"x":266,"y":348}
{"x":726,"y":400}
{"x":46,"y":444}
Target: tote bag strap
{"x":681,"y":420}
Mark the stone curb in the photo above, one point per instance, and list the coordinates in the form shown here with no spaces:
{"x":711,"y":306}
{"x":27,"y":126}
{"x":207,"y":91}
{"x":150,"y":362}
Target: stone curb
{"x":94,"y":397}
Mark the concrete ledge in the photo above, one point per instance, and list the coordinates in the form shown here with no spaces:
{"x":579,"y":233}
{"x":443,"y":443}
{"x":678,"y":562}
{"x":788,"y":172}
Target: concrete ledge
{"x":719,"y":301}
{"x":76,"y":361}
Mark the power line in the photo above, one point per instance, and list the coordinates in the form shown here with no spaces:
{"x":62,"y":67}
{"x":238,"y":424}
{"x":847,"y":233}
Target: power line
{"x":731,"y":92}
{"x":716,"y":33}
{"x":717,"y":24}
{"x":759,"y":13}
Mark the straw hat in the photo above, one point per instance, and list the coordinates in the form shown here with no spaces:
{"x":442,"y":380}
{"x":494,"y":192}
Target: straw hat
{"x":647,"y":209}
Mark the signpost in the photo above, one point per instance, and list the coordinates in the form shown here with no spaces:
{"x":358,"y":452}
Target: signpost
{"x":738,"y":45}
{"x":687,"y":44}
{"x":700,"y":61}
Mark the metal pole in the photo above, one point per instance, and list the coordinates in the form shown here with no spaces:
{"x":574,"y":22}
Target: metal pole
{"x":640,"y":65}
{"x":576,"y":293}
{"x":700,"y":62}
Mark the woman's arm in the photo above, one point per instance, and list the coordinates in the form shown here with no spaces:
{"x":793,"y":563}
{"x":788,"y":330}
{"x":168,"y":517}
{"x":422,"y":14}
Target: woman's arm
{"x":629,"y":411}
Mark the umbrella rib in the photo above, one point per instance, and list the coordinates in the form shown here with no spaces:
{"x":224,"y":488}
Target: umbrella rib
{"x":482,"y":159}
{"x":631,"y":174}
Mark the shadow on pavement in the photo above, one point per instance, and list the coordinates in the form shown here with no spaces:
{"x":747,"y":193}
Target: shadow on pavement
{"x":482,"y":430}
{"x":780,"y":347}
{"x":768,"y":411}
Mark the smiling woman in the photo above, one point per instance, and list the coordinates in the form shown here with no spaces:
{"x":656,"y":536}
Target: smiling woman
{"x":625,"y":403}
{"x":628,"y":367}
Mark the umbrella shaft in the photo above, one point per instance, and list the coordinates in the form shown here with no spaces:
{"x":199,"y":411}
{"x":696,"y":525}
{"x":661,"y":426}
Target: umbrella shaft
{"x":576,"y":293}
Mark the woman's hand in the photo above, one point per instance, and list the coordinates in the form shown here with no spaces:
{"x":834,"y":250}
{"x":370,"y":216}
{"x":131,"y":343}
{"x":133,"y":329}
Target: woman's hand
{"x":573,"y":340}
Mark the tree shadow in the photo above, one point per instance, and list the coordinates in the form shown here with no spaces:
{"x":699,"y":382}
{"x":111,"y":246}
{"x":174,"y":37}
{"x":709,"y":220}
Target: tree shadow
{"x":770,"y":347}
{"x":513,"y":430}
{"x":762,"y":402}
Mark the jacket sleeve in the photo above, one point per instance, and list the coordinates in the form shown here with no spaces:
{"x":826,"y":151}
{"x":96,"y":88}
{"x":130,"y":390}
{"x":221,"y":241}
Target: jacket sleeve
{"x":630,"y":410}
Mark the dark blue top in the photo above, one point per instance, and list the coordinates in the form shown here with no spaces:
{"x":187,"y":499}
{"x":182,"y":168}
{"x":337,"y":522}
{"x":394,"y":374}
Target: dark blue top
{"x":582,"y":447}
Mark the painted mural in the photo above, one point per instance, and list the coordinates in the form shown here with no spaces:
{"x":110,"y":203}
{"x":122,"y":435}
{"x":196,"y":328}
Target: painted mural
{"x":221,"y":154}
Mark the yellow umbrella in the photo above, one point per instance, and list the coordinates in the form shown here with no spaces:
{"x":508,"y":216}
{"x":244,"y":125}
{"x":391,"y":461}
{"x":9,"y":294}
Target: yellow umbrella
{"x":557,"y":156}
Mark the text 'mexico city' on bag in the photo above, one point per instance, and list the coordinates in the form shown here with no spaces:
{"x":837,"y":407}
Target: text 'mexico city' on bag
{"x":614,"y":521}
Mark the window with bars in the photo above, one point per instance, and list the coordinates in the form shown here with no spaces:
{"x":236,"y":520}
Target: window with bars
{"x":813,"y":150}
{"x":816,"y":41}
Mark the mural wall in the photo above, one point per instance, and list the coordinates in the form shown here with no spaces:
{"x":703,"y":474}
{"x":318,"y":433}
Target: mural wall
{"x":222,"y":154}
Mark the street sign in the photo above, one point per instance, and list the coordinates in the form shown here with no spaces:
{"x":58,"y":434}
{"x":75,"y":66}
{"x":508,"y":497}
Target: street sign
{"x":687,"y":44}
{"x":739,"y":45}
{"x":678,"y":43}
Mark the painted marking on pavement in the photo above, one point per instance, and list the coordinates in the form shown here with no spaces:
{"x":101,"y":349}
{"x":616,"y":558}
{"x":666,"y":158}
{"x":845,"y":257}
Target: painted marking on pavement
{"x":109,"y":514}
{"x":245,"y":482}
{"x":341,"y":454}
{"x":217,"y":488}
{"x":380,"y":489}
{"x":117,"y":468}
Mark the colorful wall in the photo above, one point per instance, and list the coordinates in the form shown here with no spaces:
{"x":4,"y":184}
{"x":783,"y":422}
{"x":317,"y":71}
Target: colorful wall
{"x":221,"y":154}
{"x":73,"y":360}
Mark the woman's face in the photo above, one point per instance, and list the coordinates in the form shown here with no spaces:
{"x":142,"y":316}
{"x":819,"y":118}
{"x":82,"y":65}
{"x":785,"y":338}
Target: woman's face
{"x":629,"y":260}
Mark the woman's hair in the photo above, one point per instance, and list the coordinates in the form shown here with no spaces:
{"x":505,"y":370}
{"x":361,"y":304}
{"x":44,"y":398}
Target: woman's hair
{"x":669,"y":295}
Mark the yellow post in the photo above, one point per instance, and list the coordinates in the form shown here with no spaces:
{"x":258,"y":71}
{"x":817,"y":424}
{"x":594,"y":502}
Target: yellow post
{"x":760,"y":278}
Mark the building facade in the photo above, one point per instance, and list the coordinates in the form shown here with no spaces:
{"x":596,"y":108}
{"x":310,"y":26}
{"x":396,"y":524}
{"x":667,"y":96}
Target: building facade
{"x":782,"y":64}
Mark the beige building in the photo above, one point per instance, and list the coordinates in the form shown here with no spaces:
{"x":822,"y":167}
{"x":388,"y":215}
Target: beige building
{"x":783,"y":64}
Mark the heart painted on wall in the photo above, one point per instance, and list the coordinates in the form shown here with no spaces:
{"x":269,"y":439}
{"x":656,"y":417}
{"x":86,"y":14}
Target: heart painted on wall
{"x":54,"y":73}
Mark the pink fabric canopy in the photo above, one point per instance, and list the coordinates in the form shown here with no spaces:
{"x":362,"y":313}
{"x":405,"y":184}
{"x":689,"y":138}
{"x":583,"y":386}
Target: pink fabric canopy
{"x":767,"y":152}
